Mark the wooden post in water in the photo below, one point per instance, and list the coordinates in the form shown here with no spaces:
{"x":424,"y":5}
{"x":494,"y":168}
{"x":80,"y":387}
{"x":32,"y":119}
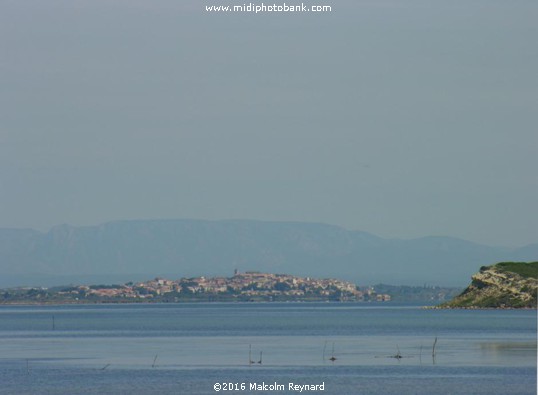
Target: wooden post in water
{"x":250,"y":361}
{"x":332,"y":358}
{"x":433,"y":349}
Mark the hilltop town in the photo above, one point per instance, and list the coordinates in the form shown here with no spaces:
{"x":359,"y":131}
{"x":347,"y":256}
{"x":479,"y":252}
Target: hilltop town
{"x":248,"y":286}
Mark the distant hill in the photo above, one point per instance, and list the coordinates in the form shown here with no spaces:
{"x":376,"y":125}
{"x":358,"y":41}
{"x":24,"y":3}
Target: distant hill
{"x":506,"y":284}
{"x":136,"y":250}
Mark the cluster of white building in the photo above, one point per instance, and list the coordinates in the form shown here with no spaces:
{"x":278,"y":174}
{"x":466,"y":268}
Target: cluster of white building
{"x":248,"y":283}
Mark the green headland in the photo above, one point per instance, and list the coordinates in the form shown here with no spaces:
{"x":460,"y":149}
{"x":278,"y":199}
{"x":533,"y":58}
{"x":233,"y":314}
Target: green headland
{"x":503,"y":285}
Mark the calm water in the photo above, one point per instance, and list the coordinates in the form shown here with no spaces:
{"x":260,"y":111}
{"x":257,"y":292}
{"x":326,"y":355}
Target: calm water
{"x":187,"y":348}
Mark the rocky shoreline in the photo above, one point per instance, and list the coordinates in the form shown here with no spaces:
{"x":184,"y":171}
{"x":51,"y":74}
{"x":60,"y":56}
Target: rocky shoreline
{"x":506,"y":285}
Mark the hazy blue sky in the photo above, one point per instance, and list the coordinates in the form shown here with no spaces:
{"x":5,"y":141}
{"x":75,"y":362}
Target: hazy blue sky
{"x":400,"y":118}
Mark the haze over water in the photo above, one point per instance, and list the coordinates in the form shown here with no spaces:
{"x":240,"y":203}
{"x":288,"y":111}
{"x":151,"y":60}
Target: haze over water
{"x":401,"y":118}
{"x":190,"y":347}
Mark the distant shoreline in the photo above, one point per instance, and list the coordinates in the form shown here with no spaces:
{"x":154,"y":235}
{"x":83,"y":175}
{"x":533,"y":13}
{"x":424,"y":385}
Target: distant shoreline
{"x":241,"y":287}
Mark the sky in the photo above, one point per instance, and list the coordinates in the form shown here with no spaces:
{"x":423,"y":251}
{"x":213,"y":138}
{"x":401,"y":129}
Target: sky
{"x":399,"y":118}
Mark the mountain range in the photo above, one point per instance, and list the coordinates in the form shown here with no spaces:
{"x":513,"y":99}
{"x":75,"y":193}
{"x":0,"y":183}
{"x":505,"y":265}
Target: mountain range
{"x":136,"y":250}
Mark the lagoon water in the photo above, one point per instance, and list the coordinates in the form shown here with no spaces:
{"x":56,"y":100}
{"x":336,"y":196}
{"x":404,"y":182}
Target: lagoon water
{"x":188,"y":348}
